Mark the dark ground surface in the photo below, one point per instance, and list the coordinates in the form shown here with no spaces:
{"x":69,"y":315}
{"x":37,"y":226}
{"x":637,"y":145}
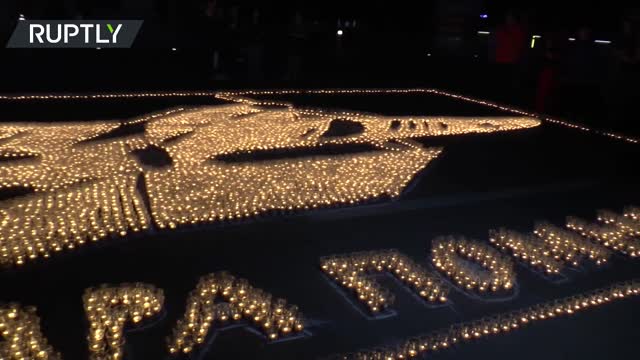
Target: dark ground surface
{"x":479,"y":182}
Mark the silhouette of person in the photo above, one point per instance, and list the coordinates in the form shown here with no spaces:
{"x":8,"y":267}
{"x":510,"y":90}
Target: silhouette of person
{"x":510,"y":42}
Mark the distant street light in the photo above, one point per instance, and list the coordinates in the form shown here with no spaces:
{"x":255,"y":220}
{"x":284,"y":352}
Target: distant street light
{"x":533,"y":40}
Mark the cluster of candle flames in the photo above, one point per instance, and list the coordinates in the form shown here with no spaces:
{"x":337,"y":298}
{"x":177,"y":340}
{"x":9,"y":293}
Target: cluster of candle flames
{"x":85,"y":189}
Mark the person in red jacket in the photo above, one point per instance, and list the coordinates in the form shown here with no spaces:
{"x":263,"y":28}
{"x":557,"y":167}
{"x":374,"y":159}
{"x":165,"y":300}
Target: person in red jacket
{"x":510,"y":43}
{"x":547,"y":78}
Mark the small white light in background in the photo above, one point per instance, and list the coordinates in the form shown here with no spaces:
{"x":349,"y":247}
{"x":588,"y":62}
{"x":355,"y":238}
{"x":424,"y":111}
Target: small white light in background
{"x":572,"y":39}
{"x":484,"y":16}
{"x":174,"y":49}
{"x":602,"y":42}
{"x":484,"y":32}
{"x":428,"y":54}
{"x":340,"y":32}
{"x":533,"y":40}
{"x":21,"y":17}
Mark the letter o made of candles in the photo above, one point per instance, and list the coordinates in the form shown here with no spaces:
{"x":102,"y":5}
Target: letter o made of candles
{"x":452,"y":256}
{"x":350,"y":272}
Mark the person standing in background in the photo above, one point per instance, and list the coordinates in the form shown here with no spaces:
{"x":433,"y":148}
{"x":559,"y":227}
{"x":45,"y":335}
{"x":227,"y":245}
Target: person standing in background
{"x":625,"y":77}
{"x":217,"y":33}
{"x":296,"y":42}
{"x":583,"y":79}
{"x":510,"y":44}
{"x":255,"y":47}
{"x":547,"y":74}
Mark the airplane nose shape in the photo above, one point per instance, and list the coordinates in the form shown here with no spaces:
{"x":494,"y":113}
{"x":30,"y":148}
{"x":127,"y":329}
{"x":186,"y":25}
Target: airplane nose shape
{"x":216,"y":190}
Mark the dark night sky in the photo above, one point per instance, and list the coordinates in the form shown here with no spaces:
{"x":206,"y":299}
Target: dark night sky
{"x":397,"y":11}
{"x":181,"y":18}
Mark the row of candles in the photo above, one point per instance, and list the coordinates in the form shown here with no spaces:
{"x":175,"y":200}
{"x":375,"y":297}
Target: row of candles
{"x":351,"y":271}
{"x":154,"y":116}
{"x":137,"y":95}
{"x":221,"y":299}
{"x":110,"y":309}
{"x":500,"y":324}
{"x":243,"y":97}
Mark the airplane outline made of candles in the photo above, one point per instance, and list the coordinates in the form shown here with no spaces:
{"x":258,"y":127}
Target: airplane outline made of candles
{"x":86,"y":183}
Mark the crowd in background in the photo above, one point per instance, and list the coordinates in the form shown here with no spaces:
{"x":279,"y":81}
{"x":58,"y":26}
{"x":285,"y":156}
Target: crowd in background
{"x":561,"y":72}
{"x":575,"y":75}
{"x":228,"y":43}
